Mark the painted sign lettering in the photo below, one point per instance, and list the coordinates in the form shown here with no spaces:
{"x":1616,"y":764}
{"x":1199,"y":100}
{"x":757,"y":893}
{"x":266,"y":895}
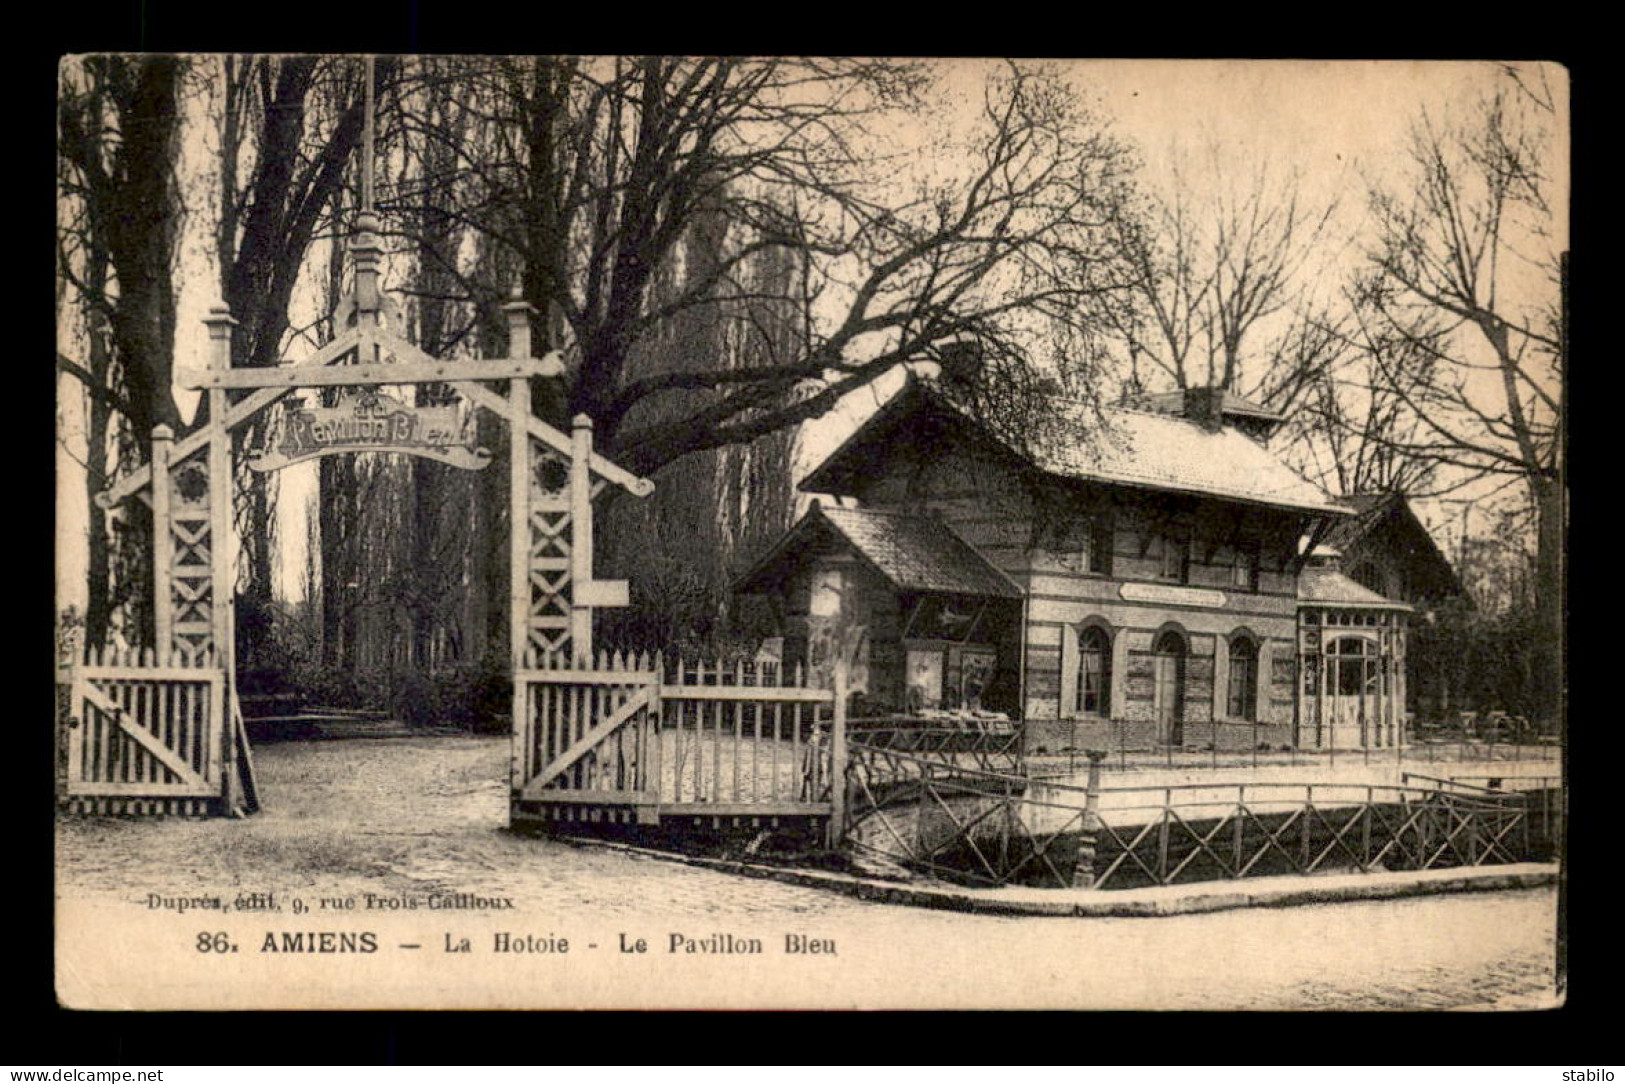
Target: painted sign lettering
{"x":369,"y":421}
{"x":1177,"y":596}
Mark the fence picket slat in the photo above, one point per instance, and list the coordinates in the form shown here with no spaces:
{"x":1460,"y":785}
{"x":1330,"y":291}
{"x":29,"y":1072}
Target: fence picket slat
{"x":778,"y":735}
{"x":795,"y":748}
{"x":716,"y":745}
{"x":756,"y":756}
{"x":142,"y":704}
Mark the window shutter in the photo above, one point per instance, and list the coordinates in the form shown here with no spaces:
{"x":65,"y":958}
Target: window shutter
{"x":1266,"y":668}
{"x":1069,"y":672}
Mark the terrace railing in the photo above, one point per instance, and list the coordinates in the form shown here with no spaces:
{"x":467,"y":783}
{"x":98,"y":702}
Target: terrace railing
{"x":990,"y":748}
{"x":989,"y":828}
{"x":1229,"y":743}
{"x":1166,"y":835}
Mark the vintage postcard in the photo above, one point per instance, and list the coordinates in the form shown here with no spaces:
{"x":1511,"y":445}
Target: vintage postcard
{"x":761,"y":533}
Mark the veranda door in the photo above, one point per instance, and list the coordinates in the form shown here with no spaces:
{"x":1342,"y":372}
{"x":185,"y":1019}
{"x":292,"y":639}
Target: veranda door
{"x":1168,"y":687}
{"x":1351,"y":687}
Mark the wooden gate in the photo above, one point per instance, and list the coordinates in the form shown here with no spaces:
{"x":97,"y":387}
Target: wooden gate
{"x":623,"y":741}
{"x":589,"y":738}
{"x":147,"y":739}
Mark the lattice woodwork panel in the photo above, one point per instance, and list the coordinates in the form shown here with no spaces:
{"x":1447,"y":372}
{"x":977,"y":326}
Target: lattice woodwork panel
{"x":191,"y":572}
{"x":547,"y":620}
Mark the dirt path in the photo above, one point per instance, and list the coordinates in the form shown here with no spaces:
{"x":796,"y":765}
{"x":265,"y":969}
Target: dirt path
{"x":414,"y":816}
{"x":422,"y":816}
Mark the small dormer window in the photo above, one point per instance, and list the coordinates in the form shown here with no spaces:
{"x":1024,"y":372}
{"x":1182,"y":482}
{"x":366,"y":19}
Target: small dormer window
{"x":1244,"y":572}
{"x":1174,"y":556}
{"x":1083,"y":545}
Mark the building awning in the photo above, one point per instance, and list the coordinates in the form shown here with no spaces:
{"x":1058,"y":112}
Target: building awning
{"x":1329,"y":587}
{"x":913,"y":553}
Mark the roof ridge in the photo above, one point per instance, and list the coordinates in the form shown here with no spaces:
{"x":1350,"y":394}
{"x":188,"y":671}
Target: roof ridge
{"x":877,"y":511}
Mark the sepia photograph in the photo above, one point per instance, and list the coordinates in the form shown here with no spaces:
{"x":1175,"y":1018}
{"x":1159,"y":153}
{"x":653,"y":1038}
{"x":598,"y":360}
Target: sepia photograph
{"x":693,"y":532}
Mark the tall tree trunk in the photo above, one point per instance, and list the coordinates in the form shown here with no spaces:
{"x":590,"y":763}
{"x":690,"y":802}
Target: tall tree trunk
{"x":1551,"y":608}
{"x":98,"y":602}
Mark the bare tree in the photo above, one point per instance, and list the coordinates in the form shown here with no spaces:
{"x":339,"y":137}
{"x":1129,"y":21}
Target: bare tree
{"x":1348,"y":424}
{"x":717,"y":510}
{"x":83,"y":320}
{"x":1224,"y":289}
{"x":591,"y":172}
{"x":723,"y":249}
{"x":1467,"y":273}
{"x":288,"y":128}
{"x":119,"y":211}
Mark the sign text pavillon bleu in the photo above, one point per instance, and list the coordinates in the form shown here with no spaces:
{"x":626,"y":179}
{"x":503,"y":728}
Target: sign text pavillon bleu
{"x":370,"y":421}
{"x":1176,"y":596}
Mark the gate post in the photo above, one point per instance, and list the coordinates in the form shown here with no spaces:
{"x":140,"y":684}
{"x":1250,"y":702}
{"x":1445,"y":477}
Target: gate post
{"x":837,"y":757}
{"x":580,"y":536}
{"x":519,"y":588}
{"x":1083,"y":874}
{"x":70,"y":738}
{"x":222,"y":739}
{"x":518,"y":313}
{"x":220,"y":323}
{"x":163,"y":545}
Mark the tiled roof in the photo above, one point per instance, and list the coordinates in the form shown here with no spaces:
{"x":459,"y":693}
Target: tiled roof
{"x":1117,"y":445}
{"x":1164,"y":451}
{"x":919,"y":553}
{"x":914,"y":553}
{"x":1328,"y":586}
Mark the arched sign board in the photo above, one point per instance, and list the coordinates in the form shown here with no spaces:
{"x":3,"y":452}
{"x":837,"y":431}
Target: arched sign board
{"x":371,"y":421}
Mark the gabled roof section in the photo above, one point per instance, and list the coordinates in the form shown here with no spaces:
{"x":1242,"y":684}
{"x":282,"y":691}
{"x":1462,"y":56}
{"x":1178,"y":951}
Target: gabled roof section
{"x":1118,"y":446}
{"x":1369,"y":509}
{"x":1372,"y":510}
{"x":1329,"y":587}
{"x":913,"y":553}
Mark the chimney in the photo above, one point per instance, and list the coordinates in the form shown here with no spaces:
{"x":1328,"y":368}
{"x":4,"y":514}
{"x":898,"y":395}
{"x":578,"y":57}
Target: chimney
{"x":959,"y":357}
{"x":1205,"y":406}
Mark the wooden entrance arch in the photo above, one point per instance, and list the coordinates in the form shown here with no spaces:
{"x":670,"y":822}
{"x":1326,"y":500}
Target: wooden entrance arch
{"x":160,"y":731}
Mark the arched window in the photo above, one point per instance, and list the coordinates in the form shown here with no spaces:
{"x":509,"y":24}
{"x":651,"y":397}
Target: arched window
{"x":1094,"y":672}
{"x":1243,"y":692}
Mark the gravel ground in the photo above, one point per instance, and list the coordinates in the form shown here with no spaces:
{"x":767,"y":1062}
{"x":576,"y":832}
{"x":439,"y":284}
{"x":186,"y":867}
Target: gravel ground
{"x":421,"y":816}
